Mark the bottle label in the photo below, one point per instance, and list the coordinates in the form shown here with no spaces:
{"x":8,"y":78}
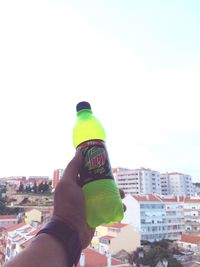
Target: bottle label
{"x":96,"y":165}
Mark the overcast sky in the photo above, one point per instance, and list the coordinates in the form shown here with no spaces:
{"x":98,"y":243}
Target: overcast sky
{"x":136,"y":62}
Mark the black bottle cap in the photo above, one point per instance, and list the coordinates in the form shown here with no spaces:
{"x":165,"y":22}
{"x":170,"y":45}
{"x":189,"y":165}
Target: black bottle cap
{"x":82,"y":105}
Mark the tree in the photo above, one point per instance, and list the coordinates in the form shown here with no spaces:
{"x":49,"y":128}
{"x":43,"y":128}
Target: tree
{"x":35,"y":188}
{"x":41,"y":187}
{"x":46,"y":187}
{"x":158,"y":252}
{"x":28,"y":188}
{"x":174,"y":263}
{"x":21,"y":188}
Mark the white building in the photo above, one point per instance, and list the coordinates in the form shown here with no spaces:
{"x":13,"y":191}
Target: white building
{"x":138,"y":181}
{"x":17,"y":237}
{"x":196,"y":189}
{"x":176,"y":184}
{"x":174,"y":219}
{"x":192,"y":214}
{"x":157,"y":218}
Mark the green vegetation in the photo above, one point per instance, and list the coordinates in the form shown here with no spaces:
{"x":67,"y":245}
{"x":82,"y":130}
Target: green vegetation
{"x":157,"y":252}
{"x":4,"y":210}
{"x":42,"y":188}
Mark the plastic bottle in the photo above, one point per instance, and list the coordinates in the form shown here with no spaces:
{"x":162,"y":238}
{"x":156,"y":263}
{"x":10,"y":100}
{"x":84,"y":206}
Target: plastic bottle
{"x":103,"y":201}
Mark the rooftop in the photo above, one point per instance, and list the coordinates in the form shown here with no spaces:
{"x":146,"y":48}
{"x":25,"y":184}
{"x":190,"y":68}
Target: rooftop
{"x":15,"y":227}
{"x":192,"y":200}
{"x":106,"y":237}
{"x":8,"y":217}
{"x":22,"y":233}
{"x":172,"y":199}
{"x":93,"y":258}
{"x":146,"y":198}
{"x":117,"y":225}
{"x":188,"y":238}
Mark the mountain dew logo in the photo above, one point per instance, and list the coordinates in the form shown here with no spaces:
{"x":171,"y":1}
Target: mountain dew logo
{"x":95,"y":158}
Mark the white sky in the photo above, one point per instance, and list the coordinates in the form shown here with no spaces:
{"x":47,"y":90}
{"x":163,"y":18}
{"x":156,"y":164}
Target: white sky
{"x":142,"y":84}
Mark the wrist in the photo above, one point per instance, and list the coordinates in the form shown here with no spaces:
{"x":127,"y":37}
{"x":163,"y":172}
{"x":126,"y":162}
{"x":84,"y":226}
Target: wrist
{"x":52,"y":244}
{"x":67,"y":237}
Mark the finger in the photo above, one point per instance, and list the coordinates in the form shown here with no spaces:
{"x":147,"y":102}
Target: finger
{"x":73,"y":167}
{"x":122,"y":194}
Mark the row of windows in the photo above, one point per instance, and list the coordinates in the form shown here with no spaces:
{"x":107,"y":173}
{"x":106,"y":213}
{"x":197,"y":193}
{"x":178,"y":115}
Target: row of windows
{"x":151,"y":206}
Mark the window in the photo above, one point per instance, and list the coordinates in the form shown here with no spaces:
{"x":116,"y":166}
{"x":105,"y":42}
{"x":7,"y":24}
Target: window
{"x":8,"y":252}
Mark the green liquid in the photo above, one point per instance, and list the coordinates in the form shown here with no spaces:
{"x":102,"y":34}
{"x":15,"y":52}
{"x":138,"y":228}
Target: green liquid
{"x":103,"y":201}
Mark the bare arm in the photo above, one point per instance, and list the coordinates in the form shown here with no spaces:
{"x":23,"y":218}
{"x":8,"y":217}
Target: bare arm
{"x":69,"y":207}
{"x":44,"y":251}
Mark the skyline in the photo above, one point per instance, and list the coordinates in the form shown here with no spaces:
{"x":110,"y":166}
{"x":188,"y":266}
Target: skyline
{"x":137,"y":63}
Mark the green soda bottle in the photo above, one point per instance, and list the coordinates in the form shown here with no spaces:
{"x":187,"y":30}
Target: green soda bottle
{"x":103,"y":201}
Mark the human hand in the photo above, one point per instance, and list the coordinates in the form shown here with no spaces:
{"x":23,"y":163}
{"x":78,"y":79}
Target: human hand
{"x":69,"y":202}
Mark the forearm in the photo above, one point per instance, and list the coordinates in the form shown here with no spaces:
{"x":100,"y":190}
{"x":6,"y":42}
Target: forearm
{"x":44,"y":251}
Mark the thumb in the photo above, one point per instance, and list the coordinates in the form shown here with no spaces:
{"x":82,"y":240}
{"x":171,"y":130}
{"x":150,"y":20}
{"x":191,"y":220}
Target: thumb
{"x":73,"y":167}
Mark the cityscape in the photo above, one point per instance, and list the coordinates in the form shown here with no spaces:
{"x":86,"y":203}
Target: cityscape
{"x":138,"y":65}
{"x":162,"y":214}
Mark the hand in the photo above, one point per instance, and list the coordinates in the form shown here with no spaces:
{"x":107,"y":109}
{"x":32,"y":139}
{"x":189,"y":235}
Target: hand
{"x":69,"y":202}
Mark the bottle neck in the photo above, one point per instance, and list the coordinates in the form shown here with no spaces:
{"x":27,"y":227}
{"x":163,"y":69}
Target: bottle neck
{"x":84,"y":113}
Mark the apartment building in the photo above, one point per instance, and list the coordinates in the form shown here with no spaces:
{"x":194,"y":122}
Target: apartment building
{"x":196,"y":189}
{"x":192,"y":214}
{"x":113,"y":238}
{"x":33,"y":215}
{"x":17,"y":237}
{"x":7,"y":221}
{"x":176,"y":183}
{"x":174,"y":219}
{"x":155,"y":217}
{"x":138,"y":181}
{"x":57,"y":175}
{"x":190,"y":242}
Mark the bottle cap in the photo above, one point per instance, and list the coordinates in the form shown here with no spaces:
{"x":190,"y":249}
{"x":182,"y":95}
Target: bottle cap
{"x":82,"y":105}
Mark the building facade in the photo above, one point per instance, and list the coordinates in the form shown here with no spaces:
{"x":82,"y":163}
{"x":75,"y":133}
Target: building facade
{"x":189,"y":242}
{"x":176,"y":184}
{"x":113,"y":238}
{"x":37,"y":179}
{"x":174,"y":218}
{"x":138,"y":181}
{"x":196,"y":189}
{"x":57,"y":175}
{"x":33,"y":215}
{"x":16,"y":237}
{"x":155,"y":217}
{"x":192,"y":214}
{"x":7,"y":221}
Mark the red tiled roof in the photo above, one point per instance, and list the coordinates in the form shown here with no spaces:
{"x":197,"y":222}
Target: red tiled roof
{"x":117,"y":225}
{"x":28,"y":242}
{"x":172,"y":199}
{"x":26,"y":230}
{"x":146,"y":198}
{"x":107,"y":237}
{"x":16,"y":236}
{"x":5,"y":217}
{"x":34,"y":232}
{"x":93,"y":258}
{"x":193,"y":239}
{"x":15,"y":227}
{"x":192,"y":200}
